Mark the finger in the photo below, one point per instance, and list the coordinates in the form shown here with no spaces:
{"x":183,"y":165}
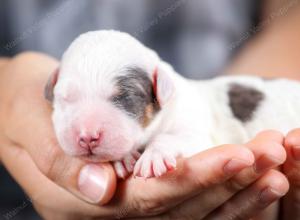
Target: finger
{"x":192,"y":176}
{"x":291,"y":169}
{"x":45,"y":195}
{"x":16,"y":158}
{"x":292,"y":165}
{"x":269,"y":153}
{"x":268,"y":145}
{"x":31,"y":128}
{"x":217,"y":195}
{"x":250,"y":202}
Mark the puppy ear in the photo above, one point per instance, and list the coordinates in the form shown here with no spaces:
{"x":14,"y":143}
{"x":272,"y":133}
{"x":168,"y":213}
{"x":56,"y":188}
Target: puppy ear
{"x":163,"y":84}
{"x":48,"y":91}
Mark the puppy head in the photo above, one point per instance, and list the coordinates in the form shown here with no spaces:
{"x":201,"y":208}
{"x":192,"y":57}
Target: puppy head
{"x":106,"y":93}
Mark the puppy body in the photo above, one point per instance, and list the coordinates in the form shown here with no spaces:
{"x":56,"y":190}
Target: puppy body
{"x":114,"y":97}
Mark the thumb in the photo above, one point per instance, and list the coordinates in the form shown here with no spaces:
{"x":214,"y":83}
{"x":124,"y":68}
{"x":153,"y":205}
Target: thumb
{"x":93,"y":183}
{"x":97,"y":182}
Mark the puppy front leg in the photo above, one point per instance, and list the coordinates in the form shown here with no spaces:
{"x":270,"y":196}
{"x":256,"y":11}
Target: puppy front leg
{"x":160,"y":155}
{"x":124,"y":167}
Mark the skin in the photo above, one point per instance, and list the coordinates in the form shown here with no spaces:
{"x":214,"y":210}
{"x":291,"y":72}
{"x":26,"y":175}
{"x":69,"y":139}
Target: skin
{"x":291,"y":168}
{"x":3,"y":61}
{"x":274,"y":51}
{"x":49,"y":171}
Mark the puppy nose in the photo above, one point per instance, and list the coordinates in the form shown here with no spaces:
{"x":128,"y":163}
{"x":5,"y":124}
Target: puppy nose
{"x":89,"y":141}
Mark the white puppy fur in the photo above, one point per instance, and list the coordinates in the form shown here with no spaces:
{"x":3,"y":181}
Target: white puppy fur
{"x":190,"y":116}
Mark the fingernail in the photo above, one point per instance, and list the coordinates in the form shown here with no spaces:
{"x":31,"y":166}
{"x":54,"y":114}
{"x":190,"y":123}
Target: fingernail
{"x":266,"y":162}
{"x":296,"y":152}
{"x":92,"y":182}
{"x":269,"y":195}
{"x":235,"y":165}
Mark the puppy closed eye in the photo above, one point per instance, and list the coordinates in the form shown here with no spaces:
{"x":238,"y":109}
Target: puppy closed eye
{"x":67,"y":93}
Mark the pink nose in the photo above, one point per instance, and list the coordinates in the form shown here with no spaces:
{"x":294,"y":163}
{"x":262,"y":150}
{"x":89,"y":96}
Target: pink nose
{"x":89,"y":141}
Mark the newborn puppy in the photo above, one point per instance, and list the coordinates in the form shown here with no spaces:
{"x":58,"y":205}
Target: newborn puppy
{"x":113,"y":98}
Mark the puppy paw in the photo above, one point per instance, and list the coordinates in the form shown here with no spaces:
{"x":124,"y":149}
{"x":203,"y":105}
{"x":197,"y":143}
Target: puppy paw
{"x":154,"y":163}
{"x":124,"y":167}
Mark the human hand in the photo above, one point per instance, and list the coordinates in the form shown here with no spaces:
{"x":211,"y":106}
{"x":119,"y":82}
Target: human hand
{"x":170,"y":197}
{"x":31,"y":154}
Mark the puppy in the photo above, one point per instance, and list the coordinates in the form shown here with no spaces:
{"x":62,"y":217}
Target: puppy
{"x":114,"y":98}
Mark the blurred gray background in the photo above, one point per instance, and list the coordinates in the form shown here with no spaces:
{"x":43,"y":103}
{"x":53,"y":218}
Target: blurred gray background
{"x":197,"y":37}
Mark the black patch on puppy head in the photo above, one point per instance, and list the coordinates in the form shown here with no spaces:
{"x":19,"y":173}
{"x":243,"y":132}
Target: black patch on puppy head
{"x":136,"y":95}
{"x":243,"y":101}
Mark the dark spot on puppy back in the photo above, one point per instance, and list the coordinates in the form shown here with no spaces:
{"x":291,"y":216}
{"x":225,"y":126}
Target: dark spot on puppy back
{"x":136,"y":95}
{"x":243,"y":101}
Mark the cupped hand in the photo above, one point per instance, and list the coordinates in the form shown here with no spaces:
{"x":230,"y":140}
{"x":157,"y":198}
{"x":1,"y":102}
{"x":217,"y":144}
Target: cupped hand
{"x":231,"y":181}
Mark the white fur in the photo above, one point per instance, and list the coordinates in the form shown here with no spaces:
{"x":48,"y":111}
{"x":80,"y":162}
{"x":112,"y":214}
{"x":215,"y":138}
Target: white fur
{"x":195,"y":115}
